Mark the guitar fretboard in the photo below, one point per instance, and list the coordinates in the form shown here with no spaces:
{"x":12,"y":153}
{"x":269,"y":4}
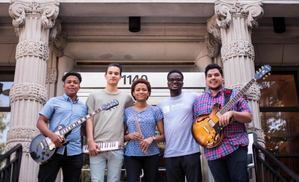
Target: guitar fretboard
{"x":234,"y":100}
{"x":68,"y":128}
{"x":104,"y":146}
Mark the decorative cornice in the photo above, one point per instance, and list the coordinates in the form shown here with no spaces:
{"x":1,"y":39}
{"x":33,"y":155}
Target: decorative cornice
{"x":32,"y":48}
{"x":28,"y":91}
{"x":237,"y":49}
{"x":47,"y":10}
{"x":225,"y":10}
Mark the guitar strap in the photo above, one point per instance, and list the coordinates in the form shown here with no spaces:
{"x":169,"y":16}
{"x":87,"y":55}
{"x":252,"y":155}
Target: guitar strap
{"x":227,"y":94}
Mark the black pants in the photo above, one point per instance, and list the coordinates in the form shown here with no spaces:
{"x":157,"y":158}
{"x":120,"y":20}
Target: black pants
{"x":149,"y":164}
{"x":179,"y":167}
{"x":231,"y":168}
{"x":71,"y":168}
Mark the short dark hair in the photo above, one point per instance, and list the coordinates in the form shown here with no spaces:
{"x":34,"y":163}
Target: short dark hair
{"x":115,"y":65}
{"x":213,"y":66}
{"x":175,"y":71}
{"x":141,"y":80}
{"x":76,"y":74}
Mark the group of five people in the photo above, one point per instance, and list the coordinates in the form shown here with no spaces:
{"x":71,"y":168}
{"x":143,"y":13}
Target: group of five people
{"x":142,"y":126}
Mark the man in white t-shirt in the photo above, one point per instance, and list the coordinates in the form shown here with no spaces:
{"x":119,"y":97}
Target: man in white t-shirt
{"x":182,"y":155}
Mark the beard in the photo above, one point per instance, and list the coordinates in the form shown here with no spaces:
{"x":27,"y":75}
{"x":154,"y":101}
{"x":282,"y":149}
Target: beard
{"x":216,"y":88}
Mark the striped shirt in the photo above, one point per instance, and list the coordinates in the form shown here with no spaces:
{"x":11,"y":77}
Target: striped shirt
{"x":235,"y":134}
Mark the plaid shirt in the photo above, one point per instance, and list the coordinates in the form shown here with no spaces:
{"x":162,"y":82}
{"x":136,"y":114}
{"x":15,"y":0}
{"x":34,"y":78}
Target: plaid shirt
{"x":234,"y":134}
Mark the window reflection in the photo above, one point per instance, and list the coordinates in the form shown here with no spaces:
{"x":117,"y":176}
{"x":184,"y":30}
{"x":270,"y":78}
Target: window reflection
{"x":4,"y":122}
{"x":4,"y":93}
{"x":279,"y":91}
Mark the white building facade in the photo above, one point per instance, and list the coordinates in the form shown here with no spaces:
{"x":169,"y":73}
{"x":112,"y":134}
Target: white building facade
{"x":40,"y":40}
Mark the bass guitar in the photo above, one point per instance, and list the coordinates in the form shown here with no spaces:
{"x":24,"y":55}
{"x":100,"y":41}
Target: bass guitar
{"x":206,"y":129}
{"x":42,"y":148}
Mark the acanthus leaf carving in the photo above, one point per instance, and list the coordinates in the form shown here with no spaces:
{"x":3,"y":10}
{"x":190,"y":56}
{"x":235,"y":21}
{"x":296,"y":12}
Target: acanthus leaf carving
{"x":32,"y":48}
{"x":226,"y":10}
{"x":238,"y":48}
{"x":47,"y":10}
{"x":28,"y":91}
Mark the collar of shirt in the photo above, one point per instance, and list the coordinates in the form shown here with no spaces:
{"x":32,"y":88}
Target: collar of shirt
{"x":67,"y":98}
{"x":217,"y":95}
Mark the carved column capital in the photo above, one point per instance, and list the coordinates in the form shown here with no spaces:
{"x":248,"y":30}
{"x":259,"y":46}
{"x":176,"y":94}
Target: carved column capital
{"x":225,"y":10}
{"x":47,"y":10}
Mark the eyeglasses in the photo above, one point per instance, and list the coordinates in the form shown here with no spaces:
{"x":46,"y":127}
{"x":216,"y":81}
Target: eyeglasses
{"x":175,"y":80}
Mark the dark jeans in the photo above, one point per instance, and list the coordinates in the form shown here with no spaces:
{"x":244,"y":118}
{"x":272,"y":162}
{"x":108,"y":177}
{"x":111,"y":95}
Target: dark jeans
{"x":71,"y":168}
{"x":231,"y":168}
{"x":179,"y":167}
{"x":149,"y":164}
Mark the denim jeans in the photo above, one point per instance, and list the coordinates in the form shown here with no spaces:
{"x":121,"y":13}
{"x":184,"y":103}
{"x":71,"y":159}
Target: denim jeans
{"x":114,"y":161}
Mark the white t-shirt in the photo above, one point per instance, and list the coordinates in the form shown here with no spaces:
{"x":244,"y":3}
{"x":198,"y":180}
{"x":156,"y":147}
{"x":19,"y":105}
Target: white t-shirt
{"x":178,"y":119}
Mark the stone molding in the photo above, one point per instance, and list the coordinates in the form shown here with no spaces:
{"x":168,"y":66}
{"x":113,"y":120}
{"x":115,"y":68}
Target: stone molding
{"x":51,"y":76}
{"x":225,"y":10}
{"x":28,"y":91}
{"x":238,"y":48}
{"x":48,"y":11}
{"x":20,"y":135}
{"x":214,"y":37}
{"x":57,"y":39}
{"x":37,"y":49}
{"x":252,"y":94}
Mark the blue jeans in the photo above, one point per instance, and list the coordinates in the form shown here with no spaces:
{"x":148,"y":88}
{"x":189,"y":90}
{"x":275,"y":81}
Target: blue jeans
{"x":231,"y":168}
{"x":114,"y":160}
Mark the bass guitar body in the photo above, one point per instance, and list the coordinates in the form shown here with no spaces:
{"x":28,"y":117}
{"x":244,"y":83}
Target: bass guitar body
{"x":206,"y":130}
{"x":41,"y":148}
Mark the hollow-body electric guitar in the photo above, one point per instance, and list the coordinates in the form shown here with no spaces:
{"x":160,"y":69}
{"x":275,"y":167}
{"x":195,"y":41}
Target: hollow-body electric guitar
{"x":42,"y":148}
{"x":206,"y":129}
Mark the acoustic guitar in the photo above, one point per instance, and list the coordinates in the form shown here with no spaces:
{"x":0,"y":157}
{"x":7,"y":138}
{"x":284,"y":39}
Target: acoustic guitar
{"x":42,"y":148}
{"x":206,"y":129}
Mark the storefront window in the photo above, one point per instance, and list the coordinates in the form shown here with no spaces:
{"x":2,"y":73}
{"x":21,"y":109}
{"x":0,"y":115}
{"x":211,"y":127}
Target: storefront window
{"x":4,"y":112}
{"x":279,"y":117}
{"x":279,"y":91}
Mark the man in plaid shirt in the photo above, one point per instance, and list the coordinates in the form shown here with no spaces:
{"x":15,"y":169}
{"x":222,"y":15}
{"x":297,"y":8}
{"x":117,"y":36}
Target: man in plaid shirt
{"x":228,"y":161}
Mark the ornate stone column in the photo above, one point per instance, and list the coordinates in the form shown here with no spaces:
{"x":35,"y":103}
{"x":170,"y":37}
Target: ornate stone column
{"x":32,"y":21}
{"x":236,"y":21}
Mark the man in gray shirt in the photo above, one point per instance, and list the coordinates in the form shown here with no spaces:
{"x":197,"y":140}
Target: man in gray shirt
{"x":107,"y":127}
